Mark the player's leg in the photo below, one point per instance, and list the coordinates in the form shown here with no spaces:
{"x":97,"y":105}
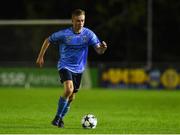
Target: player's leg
{"x":67,"y":108}
{"x":64,"y":100}
{"x":76,"y":83}
{"x":66,"y":78}
{"x":68,"y":88}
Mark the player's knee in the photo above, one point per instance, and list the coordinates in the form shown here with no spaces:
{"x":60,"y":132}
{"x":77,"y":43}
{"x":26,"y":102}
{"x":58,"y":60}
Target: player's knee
{"x":68,"y":88}
{"x":69,"y":91}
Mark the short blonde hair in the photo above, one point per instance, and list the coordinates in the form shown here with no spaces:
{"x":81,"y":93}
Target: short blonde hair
{"x":78,"y":12}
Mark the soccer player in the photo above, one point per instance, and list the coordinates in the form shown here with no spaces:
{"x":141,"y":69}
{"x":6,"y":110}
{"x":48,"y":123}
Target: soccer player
{"x":73,"y":45}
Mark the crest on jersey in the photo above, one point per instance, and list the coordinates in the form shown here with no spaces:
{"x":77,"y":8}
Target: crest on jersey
{"x":68,"y":39}
{"x":85,"y":39}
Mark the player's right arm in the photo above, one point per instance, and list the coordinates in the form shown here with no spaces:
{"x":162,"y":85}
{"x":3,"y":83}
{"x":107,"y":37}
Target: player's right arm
{"x":40,"y":59}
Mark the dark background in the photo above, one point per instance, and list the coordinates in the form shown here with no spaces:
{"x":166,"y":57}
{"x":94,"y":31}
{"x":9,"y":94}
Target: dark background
{"x":121,"y":23}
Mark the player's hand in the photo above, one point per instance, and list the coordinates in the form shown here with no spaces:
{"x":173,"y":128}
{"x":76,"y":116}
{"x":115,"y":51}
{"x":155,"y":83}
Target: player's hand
{"x":101,"y":48}
{"x":103,"y":45}
{"x":40,"y":61}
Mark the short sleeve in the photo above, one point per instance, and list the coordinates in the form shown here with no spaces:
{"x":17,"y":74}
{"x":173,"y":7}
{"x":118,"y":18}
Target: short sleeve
{"x":93,"y":41}
{"x":56,"y":37}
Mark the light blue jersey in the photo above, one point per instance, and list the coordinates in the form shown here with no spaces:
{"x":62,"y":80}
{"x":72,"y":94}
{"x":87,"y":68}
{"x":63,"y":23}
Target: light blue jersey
{"x":73,"y":48}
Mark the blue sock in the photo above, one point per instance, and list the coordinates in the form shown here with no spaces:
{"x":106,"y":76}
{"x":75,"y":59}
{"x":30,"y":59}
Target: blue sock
{"x":66,"y":110}
{"x":61,"y":106}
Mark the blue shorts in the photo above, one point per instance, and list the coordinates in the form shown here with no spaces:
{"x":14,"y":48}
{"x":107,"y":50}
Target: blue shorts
{"x":65,"y":75}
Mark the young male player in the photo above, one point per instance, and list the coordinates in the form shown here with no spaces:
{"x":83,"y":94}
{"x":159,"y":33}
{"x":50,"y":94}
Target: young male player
{"x":73,"y":45}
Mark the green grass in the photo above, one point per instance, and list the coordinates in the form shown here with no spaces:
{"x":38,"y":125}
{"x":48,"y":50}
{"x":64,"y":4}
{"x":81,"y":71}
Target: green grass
{"x":118,"y":111}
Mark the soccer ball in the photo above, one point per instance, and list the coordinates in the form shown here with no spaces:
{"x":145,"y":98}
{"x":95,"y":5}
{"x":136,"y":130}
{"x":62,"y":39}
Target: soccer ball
{"x":89,"y":121}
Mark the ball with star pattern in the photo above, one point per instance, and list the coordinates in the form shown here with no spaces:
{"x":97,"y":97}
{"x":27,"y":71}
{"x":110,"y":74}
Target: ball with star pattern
{"x":89,"y":121}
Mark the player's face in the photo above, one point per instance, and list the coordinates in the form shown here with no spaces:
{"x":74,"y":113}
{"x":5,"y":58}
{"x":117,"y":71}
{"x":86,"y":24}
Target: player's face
{"x":78,"y":22}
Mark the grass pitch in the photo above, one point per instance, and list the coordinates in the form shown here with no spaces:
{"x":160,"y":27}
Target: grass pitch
{"x":30,"y":111}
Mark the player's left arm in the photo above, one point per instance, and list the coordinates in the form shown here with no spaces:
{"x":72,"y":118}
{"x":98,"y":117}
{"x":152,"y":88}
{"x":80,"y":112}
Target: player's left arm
{"x":101,"y":48}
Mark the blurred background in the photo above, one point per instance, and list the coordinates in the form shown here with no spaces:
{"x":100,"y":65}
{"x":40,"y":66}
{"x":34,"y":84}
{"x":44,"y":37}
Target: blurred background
{"x":142,"y":37}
